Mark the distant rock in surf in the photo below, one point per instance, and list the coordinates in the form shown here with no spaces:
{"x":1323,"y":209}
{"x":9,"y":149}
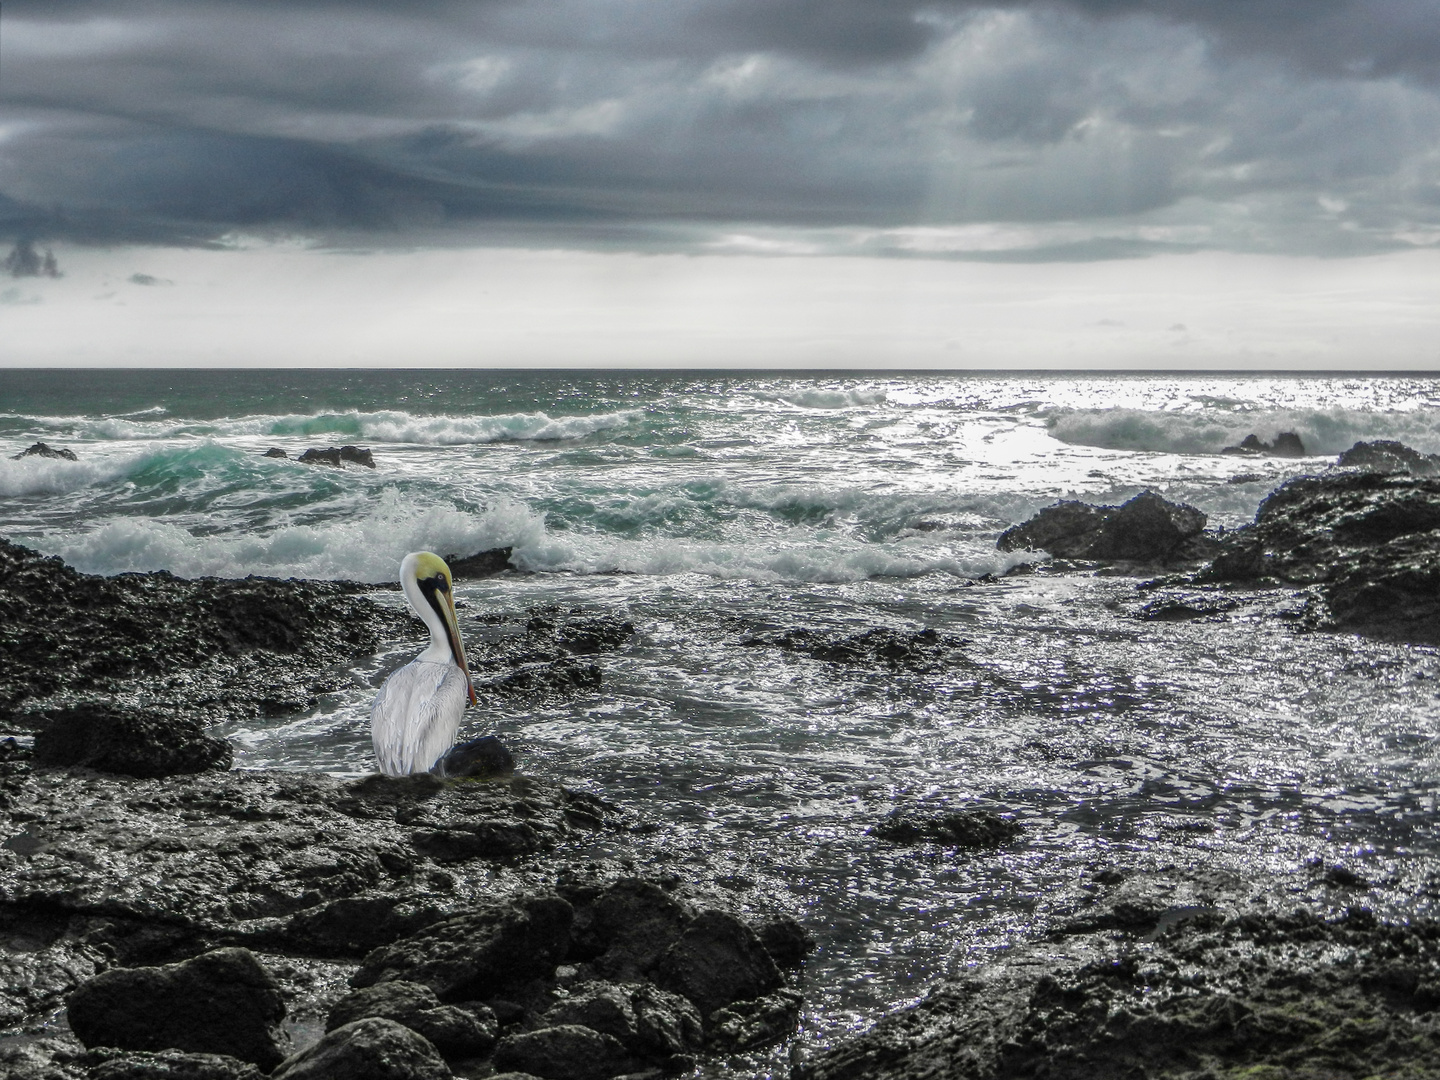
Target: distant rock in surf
{"x":41,"y":450}
{"x":1286,"y":444}
{"x":973,"y":829}
{"x":276,"y":452}
{"x":339,"y":455}
{"x":1147,"y":529}
{"x":1389,"y":456}
{"x":482,"y":564}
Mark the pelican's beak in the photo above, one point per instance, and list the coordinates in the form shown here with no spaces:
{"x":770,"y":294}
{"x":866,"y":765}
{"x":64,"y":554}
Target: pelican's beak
{"x":457,"y":647}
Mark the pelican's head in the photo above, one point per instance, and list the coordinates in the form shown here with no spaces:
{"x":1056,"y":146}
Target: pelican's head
{"x":425,"y":574}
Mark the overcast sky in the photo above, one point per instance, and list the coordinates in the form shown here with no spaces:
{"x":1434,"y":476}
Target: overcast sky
{"x":722,"y":181}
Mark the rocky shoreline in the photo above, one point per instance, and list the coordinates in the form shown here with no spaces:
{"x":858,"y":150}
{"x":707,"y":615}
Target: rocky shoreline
{"x":163,"y":915}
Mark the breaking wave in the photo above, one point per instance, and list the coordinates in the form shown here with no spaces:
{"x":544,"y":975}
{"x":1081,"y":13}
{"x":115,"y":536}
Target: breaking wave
{"x":1323,"y":431}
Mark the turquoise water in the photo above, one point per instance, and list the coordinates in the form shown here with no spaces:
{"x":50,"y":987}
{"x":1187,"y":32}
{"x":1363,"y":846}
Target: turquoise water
{"x":711,"y":509}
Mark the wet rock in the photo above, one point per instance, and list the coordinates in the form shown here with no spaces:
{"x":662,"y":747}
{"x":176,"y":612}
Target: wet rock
{"x":628,"y":927}
{"x":1387,"y":455}
{"x":39,"y":1059}
{"x":210,"y":648}
{"x":40,"y":449}
{"x":135,"y":742}
{"x":971,"y":829}
{"x":338,"y":455}
{"x":356,"y":925}
{"x":467,"y":1030}
{"x":172,"y":1065}
{"x":478,"y":955}
{"x":717,"y":960}
{"x":477,"y":759}
{"x":479,"y":821}
{"x":556,"y":678}
{"x":882,"y":646}
{"x":1187,"y":607}
{"x":564,"y":1052}
{"x":1366,"y":542}
{"x":1253,"y":993}
{"x":1146,"y":529}
{"x":649,"y":1022}
{"x":369,"y":1049}
{"x":787,"y":942}
{"x":749,"y":1025}
{"x":1286,"y":444}
{"x":480,"y":565}
{"x":276,"y":452}
{"x":222,"y":1002}
{"x":590,"y":636}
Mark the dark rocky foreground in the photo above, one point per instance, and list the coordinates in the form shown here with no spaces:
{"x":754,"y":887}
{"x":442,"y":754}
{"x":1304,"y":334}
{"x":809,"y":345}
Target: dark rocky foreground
{"x":1165,"y":976}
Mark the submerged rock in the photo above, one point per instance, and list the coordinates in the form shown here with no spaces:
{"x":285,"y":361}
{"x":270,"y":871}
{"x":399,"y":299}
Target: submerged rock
{"x":881,"y":646}
{"x":1386,"y":455}
{"x":276,"y":452}
{"x":135,"y":742}
{"x":1287,"y":444}
{"x":337,"y":456}
{"x":222,"y":1002}
{"x":960,"y":829}
{"x":1146,"y":529}
{"x":1369,"y":544}
{"x":40,"y":449}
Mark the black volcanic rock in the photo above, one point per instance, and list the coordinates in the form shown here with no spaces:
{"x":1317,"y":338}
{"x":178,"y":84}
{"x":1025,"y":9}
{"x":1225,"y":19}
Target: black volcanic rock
{"x":650,"y":1023}
{"x":211,"y":648}
{"x":456,"y":1030}
{"x":1146,"y":529}
{"x":1386,"y":455}
{"x":40,"y":449}
{"x":480,"y":565}
{"x":478,"y":955}
{"x":1287,"y":444}
{"x":222,"y":1002}
{"x":171,"y":1065}
{"x":337,"y":456}
{"x":1164,"y":992}
{"x":369,"y":1049}
{"x":717,"y":960}
{"x":564,"y":1052}
{"x":135,"y":742}
{"x":1368,"y":543}
{"x":276,"y":452}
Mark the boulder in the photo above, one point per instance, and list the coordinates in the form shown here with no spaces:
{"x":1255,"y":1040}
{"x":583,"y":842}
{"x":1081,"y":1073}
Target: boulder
{"x":467,"y":1030}
{"x":1366,"y":543}
{"x":650,"y":1023}
{"x":749,"y":1025}
{"x":1147,"y":528}
{"x":1386,"y":455}
{"x":221,"y":1002}
{"x":628,"y":927}
{"x":174,"y":1065}
{"x":477,"y":759}
{"x":135,"y":742}
{"x":337,"y":456}
{"x":563,"y":1052}
{"x":39,"y":449}
{"x":1286,"y":444}
{"x":478,"y":955}
{"x":787,"y":942}
{"x":276,"y":452}
{"x":717,"y":960}
{"x":960,"y":829}
{"x":482,"y":564}
{"x":356,"y":925}
{"x":368,"y":1049}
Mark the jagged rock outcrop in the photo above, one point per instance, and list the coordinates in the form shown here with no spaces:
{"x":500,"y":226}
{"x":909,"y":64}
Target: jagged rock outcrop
{"x":1147,"y":529}
{"x":41,"y":449}
{"x":1386,"y":455}
{"x":1287,"y":444}
{"x":336,"y":456}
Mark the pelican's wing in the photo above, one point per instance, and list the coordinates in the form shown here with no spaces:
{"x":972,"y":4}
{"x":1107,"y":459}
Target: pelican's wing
{"x":416,"y":715}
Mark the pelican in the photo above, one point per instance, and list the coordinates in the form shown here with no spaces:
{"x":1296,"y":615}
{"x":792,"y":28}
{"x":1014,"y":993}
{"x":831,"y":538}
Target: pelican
{"x":418,"y":709}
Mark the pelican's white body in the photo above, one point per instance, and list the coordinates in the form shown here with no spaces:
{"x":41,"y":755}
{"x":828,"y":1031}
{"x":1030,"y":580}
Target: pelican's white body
{"x":418,"y":709}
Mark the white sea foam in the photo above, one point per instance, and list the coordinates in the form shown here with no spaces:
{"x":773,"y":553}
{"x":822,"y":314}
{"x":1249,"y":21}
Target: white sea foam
{"x":363,"y":548}
{"x":817,"y":398}
{"x":397,"y":426}
{"x":56,"y":476}
{"x":1323,"y":431}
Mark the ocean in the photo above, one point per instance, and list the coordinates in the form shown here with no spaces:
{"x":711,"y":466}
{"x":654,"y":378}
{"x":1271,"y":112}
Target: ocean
{"x":720,"y":512}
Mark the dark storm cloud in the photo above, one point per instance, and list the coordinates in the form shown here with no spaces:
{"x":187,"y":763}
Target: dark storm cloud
{"x":1269,"y":124}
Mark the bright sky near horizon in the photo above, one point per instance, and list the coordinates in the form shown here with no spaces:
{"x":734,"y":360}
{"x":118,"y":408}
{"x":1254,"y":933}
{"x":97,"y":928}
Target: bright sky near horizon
{"x":859,"y":183}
